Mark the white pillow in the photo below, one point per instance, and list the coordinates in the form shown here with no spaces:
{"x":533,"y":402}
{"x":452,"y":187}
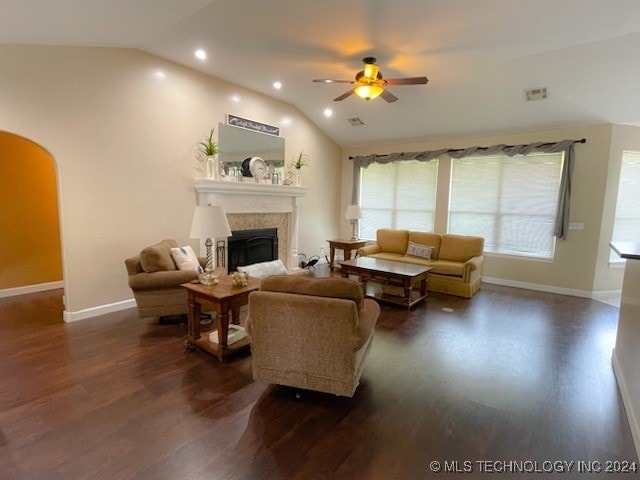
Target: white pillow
{"x":264,"y":269}
{"x":186,"y":259}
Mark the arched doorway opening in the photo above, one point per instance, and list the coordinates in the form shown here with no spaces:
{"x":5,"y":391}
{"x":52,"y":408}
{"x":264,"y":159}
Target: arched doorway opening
{"x":30,"y":244}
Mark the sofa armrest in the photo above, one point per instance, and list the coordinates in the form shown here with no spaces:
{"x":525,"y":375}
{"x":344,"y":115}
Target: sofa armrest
{"x":159,"y":280}
{"x":367,"y":319}
{"x":474,"y":263}
{"x":368,"y":250}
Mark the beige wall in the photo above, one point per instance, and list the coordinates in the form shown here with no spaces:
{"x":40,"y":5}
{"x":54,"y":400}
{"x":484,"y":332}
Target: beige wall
{"x":581,"y":261}
{"x":123,"y":141}
{"x":30,"y":251}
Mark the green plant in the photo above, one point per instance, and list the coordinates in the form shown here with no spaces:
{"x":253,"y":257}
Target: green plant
{"x":208,"y":147}
{"x":301,"y":160}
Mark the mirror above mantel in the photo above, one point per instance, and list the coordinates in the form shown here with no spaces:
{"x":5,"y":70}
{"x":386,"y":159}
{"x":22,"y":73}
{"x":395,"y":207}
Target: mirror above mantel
{"x":237,"y":144}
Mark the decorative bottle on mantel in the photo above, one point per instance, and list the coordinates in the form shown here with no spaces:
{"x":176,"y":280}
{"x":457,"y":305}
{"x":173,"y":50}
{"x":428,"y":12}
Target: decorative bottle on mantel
{"x":297,"y":177}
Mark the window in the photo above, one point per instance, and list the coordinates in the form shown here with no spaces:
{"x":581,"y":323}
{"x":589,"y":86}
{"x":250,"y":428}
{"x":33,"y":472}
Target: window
{"x":626,"y":226}
{"x":397,"y":195}
{"x":510,"y":201}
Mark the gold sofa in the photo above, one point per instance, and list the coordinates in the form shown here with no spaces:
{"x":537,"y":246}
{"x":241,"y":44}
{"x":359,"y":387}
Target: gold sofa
{"x":155,"y":281}
{"x":456,"y":259}
{"x":311,"y":333}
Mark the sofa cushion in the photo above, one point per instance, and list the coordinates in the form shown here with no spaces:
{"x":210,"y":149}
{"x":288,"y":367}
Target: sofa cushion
{"x":157,"y":258}
{"x":319,"y":287}
{"x":185,"y":259}
{"x":394,"y":241}
{"x":427,"y":238}
{"x":447,"y":267}
{"x":460,"y":248}
{"x":421,"y":251}
{"x":388,"y":256}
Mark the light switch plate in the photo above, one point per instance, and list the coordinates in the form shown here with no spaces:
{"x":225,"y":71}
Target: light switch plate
{"x":576,"y":226}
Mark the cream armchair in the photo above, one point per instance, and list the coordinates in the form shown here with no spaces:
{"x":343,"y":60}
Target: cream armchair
{"x":311,"y":333}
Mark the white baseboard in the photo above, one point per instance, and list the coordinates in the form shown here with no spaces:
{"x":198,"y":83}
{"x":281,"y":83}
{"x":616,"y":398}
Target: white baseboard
{"x":626,"y":401}
{"x":538,"y":287}
{"x":95,"y":311}
{"x":606,"y":295}
{"x":40,"y":287}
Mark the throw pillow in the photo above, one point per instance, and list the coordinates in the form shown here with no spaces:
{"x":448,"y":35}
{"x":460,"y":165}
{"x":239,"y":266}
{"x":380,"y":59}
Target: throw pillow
{"x":186,"y":259}
{"x":421,"y":251}
{"x":264,"y":269}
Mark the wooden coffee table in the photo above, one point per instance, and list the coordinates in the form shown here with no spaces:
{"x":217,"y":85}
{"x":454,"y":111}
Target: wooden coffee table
{"x":388,"y":272}
{"x":223,"y":298}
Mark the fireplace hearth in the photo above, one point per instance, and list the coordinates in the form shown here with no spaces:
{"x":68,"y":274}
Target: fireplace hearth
{"x":247,"y":247}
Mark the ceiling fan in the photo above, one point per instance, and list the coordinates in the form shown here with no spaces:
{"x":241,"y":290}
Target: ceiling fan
{"x":370,"y":84}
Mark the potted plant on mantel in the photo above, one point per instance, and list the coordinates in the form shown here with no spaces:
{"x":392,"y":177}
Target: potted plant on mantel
{"x":300,"y":161}
{"x":208,"y":150}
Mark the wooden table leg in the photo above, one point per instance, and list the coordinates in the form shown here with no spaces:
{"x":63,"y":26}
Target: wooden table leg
{"x":423,"y":287}
{"x":332,"y":255}
{"x":347,"y":253}
{"x":193,"y":323}
{"x":407,"y":292}
{"x":223,"y":331}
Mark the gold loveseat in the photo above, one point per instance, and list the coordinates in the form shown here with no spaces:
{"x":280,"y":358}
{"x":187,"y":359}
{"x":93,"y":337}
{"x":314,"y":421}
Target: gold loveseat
{"x":311,"y":333}
{"x":456,"y":259}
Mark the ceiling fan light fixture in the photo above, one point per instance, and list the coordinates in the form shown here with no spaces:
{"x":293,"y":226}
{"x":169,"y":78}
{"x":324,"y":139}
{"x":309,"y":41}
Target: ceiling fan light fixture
{"x":371,"y":71}
{"x":368,"y":91}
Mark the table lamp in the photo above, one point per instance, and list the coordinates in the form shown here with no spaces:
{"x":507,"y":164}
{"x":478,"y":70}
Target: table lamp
{"x":354,"y":214}
{"x":209,"y":222}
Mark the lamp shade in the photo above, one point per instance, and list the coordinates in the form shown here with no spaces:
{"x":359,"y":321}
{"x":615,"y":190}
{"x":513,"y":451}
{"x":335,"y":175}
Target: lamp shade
{"x":353,"y":212}
{"x":209,"y":222}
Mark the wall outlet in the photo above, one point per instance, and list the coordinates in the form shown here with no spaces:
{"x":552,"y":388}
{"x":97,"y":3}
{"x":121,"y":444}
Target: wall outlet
{"x":576,"y":226}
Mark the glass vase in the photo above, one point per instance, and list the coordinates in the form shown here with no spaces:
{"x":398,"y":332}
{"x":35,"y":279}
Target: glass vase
{"x":212,"y":168}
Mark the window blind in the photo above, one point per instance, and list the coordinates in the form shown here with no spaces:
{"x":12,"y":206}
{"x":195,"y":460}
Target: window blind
{"x":626,"y":226}
{"x":397,"y":195}
{"x":510,"y":201}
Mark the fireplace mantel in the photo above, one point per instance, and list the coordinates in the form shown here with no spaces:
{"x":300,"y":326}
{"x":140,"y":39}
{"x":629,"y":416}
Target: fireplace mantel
{"x":251,"y":198}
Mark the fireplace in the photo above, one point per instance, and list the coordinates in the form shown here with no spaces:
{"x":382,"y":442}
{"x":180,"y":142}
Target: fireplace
{"x":252,"y":205}
{"x":247,"y":247}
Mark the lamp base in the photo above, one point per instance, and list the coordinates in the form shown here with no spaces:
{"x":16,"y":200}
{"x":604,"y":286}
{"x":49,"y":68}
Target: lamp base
{"x":208,"y":278}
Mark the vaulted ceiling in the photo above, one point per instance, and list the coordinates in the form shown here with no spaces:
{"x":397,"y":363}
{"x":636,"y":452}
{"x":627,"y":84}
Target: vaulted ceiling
{"x":479,"y":56}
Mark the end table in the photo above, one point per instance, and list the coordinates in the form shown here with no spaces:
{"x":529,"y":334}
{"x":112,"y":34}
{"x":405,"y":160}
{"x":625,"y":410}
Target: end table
{"x":347,"y":246}
{"x":224,"y":298}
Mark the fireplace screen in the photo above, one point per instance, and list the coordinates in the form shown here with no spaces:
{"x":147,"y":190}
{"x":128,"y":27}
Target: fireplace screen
{"x":247,"y":247}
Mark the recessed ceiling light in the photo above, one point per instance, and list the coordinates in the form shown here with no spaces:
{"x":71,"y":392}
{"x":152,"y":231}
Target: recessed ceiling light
{"x":285,"y":121}
{"x":201,"y":54}
{"x":235,"y":98}
{"x":277,"y":85}
{"x":160,"y":74}
{"x":328,"y":112}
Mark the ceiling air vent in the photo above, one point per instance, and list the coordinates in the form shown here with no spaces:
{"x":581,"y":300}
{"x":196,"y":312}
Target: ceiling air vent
{"x":355,"y":121}
{"x":539,"y":93}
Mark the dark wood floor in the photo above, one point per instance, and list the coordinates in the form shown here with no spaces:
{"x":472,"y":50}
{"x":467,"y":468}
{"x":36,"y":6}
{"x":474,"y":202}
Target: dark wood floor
{"x":511,"y":375}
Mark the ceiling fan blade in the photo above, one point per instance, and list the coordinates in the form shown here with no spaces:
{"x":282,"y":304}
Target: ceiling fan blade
{"x":343,"y":96}
{"x":388,"y":96}
{"x":329,"y":80}
{"x":407,"y":81}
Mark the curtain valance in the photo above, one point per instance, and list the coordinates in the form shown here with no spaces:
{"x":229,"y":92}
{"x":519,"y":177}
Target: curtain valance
{"x":564,"y":197}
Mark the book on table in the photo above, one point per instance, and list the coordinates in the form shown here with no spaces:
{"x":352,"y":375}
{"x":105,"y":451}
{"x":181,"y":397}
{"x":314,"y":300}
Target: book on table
{"x":235,"y":334}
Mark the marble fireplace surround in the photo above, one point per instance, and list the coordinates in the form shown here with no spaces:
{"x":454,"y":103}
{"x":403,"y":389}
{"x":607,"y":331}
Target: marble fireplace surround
{"x":256,"y":205}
